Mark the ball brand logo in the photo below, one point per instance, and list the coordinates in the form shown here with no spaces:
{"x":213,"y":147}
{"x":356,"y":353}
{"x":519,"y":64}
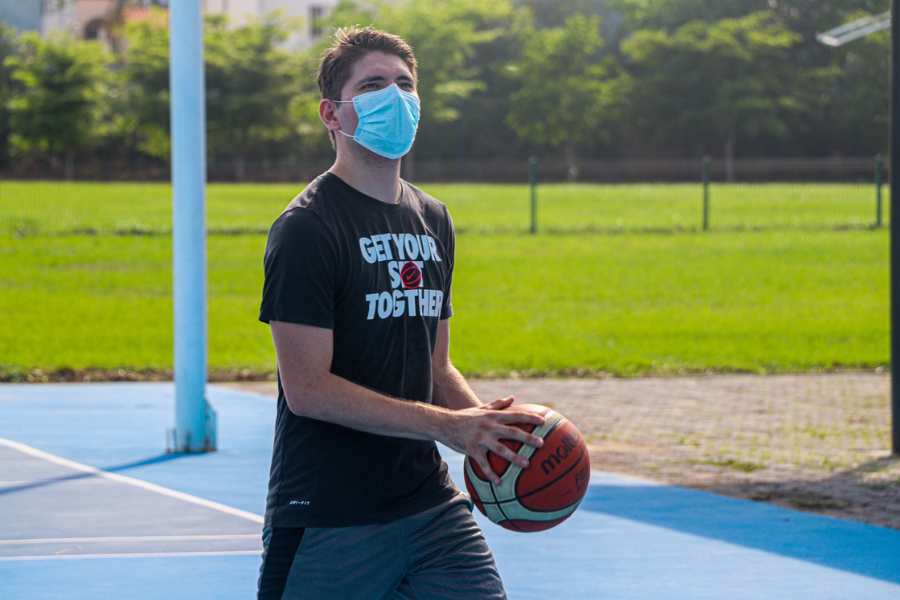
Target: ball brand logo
{"x":411,"y":275}
{"x":559,"y":454}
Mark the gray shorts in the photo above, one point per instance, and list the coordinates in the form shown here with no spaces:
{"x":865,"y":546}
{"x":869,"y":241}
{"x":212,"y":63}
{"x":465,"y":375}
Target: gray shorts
{"x":439,"y":553}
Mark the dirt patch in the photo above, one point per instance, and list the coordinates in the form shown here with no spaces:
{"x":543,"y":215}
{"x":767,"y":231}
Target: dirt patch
{"x":817,"y":442}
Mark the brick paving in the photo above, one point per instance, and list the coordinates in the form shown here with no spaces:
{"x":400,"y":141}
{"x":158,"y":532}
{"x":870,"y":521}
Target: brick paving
{"x":814,"y":442}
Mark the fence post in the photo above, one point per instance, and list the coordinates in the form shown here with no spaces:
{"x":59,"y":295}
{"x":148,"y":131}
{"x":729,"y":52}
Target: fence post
{"x":706,"y":169}
{"x":532,"y":180}
{"x":879,"y":182}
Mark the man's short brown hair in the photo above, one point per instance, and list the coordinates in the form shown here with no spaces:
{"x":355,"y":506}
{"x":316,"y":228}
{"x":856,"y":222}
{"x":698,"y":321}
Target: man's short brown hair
{"x":349,"y":45}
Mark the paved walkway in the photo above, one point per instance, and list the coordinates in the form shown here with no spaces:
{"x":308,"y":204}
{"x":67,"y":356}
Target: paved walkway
{"x":815,"y":442}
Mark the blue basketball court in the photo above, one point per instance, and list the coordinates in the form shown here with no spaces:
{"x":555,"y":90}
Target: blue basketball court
{"x":93,"y":507}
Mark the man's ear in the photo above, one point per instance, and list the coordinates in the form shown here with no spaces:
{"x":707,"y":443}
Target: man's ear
{"x":329,"y":119}
{"x":327,"y":114}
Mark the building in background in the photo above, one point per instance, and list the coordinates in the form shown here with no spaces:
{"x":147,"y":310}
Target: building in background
{"x":83,"y":19}
{"x":308,"y":13}
{"x":23,"y":15}
{"x":92,"y":19}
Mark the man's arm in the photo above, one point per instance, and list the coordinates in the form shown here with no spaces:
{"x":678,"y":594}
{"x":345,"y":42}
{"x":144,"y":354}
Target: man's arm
{"x":311,"y":390}
{"x":450,"y":388}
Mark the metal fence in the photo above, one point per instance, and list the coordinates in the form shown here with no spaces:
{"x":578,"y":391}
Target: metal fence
{"x":498,"y":170}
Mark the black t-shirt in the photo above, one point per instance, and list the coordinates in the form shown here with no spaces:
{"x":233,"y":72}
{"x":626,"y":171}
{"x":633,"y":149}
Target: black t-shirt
{"x":378,"y":275}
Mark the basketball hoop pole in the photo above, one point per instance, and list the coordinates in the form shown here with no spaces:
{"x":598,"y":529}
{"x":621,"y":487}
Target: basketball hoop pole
{"x":895,"y":226}
{"x":195,"y":420}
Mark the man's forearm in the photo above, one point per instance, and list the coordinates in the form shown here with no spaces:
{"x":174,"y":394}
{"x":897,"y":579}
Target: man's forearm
{"x":338,"y":400}
{"x":451,"y":390}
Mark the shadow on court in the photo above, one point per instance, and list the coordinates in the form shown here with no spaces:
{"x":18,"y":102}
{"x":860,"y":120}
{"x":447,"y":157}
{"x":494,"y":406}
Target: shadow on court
{"x":835,"y":543}
{"x":153,"y":460}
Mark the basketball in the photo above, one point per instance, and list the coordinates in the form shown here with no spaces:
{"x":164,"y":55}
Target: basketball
{"x":548,"y":491}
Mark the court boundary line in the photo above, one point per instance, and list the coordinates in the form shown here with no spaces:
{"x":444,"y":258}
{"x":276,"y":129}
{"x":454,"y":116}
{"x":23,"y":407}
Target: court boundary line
{"x":130,"y":555}
{"x":134,"y":539}
{"x":144,"y":485}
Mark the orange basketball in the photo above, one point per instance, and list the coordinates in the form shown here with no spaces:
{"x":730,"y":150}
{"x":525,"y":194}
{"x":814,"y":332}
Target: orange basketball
{"x":548,"y":491}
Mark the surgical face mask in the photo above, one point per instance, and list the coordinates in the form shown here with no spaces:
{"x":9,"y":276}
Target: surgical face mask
{"x":388,"y":119}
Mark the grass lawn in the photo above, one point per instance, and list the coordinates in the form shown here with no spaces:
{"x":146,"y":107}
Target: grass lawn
{"x":799,"y":296}
{"x":57,"y":207}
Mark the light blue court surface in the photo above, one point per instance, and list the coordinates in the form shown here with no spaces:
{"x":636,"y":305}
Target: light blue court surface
{"x":91,"y":507}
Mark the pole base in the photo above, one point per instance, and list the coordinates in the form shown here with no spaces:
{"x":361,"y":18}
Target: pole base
{"x":180,"y":443}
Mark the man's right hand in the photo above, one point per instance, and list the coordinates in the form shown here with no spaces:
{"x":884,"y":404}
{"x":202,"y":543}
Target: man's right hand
{"x":476,"y":431}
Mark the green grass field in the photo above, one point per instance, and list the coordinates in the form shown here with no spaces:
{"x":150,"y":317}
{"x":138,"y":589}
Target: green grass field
{"x":52,"y":208}
{"x":805,"y":287}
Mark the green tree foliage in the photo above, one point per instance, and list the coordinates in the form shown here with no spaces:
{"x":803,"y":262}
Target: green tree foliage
{"x":565,"y":94}
{"x":497,"y":78}
{"x":857,"y":116}
{"x":482,"y":130}
{"x":250,"y":82}
{"x":308,"y":132}
{"x":726,"y":81}
{"x":250,"y":79}
{"x":8,"y":49}
{"x":843,"y":91}
{"x":671,"y":14}
{"x":145,"y":87}
{"x":831,"y":101}
{"x":57,"y":107}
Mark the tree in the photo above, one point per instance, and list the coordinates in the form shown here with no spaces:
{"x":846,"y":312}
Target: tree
{"x":60,"y":87}
{"x":250,"y":83}
{"x":145,"y":81}
{"x":565,"y":94}
{"x":669,"y":15}
{"x":844,"y":91}
{"x":482,"y":130}
{"x":726,"y":80}
{"x":853,"y":102}
{"x":308,"y":134}
{"x":8,"y":49}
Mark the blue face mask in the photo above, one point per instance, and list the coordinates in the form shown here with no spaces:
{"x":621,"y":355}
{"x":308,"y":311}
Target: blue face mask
{"x":388,"y":119}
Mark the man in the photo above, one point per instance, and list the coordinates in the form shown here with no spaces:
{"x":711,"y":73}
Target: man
{"x":357,"y":293}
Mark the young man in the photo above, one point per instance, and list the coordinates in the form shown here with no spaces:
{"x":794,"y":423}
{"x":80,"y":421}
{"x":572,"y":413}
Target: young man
{"x":357,"y":293}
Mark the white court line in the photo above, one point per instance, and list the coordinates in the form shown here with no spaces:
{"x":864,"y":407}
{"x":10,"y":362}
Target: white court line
{"x":132,"y":539}
{"x":144,"y":485}
{"x":129,"y":555}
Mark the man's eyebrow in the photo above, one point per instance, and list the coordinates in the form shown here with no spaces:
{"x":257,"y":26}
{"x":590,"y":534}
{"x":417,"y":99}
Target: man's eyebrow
{"x":379,"y":78}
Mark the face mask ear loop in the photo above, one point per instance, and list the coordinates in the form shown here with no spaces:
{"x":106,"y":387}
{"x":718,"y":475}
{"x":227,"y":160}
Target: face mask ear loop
{"x":341,"y":131}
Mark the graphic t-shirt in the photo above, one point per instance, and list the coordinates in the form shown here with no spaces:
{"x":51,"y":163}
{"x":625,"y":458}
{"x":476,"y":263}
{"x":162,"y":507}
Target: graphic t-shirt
{"x":378,"y":275}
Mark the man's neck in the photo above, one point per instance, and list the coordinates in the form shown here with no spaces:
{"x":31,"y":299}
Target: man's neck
{"x":379,"y":178}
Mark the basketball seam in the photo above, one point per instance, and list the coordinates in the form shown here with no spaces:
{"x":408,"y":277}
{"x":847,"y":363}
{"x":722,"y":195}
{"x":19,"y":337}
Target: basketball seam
{"x":500,"y":508}
{"x":534,"y":491}
{"x":510,"y":464}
